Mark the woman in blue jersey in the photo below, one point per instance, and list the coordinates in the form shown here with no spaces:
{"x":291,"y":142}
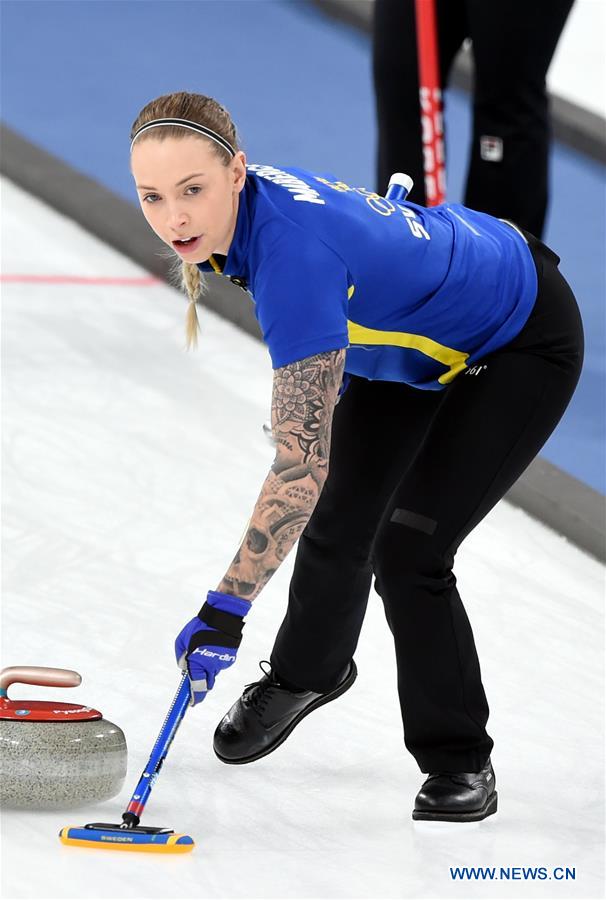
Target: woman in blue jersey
{"x":421,"y":359}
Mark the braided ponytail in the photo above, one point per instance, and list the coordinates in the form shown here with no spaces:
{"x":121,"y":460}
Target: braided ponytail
{"x":194,"y":286}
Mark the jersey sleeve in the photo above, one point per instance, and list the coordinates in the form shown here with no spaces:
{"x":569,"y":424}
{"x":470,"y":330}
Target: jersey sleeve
{"x":300,"y":294}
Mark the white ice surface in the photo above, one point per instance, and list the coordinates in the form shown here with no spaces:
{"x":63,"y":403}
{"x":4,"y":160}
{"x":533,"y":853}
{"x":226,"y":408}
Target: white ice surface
{"x":130,"y":469}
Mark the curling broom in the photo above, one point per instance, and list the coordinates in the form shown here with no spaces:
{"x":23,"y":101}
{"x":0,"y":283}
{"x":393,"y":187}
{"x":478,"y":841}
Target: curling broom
{"x":430,"y":97}
{"x":130,"y":835}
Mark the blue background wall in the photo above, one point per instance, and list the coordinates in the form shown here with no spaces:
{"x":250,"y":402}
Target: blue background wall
{"x":75,"y":74}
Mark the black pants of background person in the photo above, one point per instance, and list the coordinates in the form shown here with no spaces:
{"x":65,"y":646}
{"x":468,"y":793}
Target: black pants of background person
{"x":513,"y":43}
{"x":411,"y":473}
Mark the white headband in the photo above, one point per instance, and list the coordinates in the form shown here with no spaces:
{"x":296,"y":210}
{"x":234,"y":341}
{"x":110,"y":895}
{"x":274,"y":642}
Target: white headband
{"x":185,"y":123}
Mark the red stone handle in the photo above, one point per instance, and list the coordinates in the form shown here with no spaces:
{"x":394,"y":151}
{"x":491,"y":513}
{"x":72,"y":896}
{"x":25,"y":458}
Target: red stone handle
{"x":41,"y":675}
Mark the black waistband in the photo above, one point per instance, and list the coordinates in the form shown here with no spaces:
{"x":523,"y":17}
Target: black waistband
{"x":538,"y":247}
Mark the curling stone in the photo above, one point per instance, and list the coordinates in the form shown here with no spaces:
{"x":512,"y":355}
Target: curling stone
{"x":55,"y":754}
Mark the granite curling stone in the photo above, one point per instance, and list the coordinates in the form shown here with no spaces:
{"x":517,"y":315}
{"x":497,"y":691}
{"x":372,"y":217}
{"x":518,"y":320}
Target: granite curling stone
{"x":55,"y":754}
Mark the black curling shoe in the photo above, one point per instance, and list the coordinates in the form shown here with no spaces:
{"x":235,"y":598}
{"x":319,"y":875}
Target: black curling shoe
{"x":460,"y":797}
{"x":266,"y":713}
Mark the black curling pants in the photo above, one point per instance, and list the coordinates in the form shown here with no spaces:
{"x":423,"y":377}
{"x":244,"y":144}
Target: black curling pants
{"x":513,"y":44}
{"x":411,"y":473}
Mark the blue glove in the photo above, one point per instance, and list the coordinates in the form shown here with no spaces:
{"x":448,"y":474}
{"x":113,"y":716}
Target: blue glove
{"x":209,"y":643}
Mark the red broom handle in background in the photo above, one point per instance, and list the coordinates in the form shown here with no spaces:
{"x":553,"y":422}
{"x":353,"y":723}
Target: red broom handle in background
{"x":430,"y":98}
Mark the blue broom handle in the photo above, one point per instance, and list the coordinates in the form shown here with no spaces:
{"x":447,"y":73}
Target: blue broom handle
{"x":149,"y":775}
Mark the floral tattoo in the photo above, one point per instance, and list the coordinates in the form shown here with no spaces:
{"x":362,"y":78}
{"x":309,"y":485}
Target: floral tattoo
{"x":303,"y":401}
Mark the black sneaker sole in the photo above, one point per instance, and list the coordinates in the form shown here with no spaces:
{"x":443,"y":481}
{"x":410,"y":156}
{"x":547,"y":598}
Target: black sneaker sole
{"x":326,"y":698}
{"x":476,"y":815}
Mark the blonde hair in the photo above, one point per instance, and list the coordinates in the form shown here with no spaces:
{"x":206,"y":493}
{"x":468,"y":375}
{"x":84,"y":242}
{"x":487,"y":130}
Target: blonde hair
{"x":205,"y":111}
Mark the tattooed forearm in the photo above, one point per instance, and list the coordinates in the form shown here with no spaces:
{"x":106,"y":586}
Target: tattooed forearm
{"x":303,"y":401}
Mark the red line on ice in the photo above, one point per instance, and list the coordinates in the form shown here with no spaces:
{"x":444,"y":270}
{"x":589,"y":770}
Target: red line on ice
{"x":137,"y":281}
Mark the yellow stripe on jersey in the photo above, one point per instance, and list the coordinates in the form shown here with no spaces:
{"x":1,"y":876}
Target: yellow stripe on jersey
{"x":454,"y":359}
{"x":215,"y":265}
{"x":350,"y":291}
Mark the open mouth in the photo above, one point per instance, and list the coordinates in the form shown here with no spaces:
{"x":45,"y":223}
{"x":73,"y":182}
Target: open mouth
{"x":188,"y":245}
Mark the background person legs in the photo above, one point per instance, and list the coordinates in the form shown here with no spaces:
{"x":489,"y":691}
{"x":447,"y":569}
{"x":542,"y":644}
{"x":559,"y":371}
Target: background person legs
{"x":513,"y":45}
{"x":396,"y":83}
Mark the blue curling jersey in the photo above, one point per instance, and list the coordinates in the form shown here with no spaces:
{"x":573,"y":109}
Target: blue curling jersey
{"x":415,"y":295}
